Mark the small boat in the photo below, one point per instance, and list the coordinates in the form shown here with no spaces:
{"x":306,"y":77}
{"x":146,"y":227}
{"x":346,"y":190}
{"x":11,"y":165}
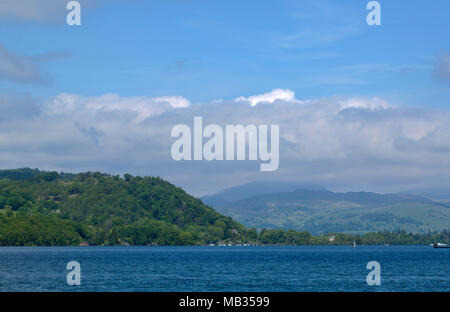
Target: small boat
{"x":439,"y":245}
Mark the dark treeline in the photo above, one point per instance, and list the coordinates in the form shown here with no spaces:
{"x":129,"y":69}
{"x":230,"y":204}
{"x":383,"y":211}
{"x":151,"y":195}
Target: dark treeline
{"x":58,"y":209}
{"x":380,"y":238}
{"x":37,"y":230}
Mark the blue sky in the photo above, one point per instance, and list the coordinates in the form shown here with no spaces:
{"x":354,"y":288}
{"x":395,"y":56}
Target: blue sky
{"x":67,"y":92}
{"x":206,"y":50}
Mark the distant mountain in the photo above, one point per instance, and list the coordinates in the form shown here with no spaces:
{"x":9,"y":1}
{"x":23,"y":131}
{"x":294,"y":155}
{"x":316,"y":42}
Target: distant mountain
{"x":244,"y":191}
{"x":441,"y":194}
{"x":322,"y":211}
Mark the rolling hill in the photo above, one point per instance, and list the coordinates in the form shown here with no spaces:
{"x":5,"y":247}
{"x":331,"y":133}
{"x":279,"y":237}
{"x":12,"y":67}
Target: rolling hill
{"x":251,"y":189}
{"x":51,"y":208}
{"x":320,"y":211}
{"x":39,"y":208}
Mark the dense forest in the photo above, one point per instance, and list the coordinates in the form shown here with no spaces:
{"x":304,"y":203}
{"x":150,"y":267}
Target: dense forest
{"x":40,"y":208}
{"x":50,"y":208}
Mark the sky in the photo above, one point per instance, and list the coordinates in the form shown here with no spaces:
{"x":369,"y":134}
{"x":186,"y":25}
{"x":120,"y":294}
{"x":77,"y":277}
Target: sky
{"x":359,"y":107}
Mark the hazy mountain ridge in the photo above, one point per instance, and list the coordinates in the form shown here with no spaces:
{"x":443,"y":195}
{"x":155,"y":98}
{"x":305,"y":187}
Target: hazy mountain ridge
{"x":247,"y":190}
{"x":320,"y":211}
{"x":437,"y":194}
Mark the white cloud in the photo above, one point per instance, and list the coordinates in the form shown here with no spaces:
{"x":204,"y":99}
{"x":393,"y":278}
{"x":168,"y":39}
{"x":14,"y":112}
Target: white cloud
{"x":138,"y":107}
{"x":285,"y":95}
{"x":17,"y":107}
{"x":174,"y":101}
{"x":345,"y":143}
{"x":372,"y":104}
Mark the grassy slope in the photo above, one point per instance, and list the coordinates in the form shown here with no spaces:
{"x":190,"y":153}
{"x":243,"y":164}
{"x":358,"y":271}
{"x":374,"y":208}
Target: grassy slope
{"x":321,"y":212}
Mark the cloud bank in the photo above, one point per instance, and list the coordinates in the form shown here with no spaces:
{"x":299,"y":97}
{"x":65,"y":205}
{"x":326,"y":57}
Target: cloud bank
{"x":351,"y":143}
{"x":285,"y":95}
{"x":136,"y":108}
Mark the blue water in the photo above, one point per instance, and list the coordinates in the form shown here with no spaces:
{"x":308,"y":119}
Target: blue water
{"x":271,"y":268}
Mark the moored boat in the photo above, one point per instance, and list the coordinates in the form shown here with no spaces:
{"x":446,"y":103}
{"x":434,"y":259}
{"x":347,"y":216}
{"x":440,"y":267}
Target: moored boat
{"x":440,"y":245}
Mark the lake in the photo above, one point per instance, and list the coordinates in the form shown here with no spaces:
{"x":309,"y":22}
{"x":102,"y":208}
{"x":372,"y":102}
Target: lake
{"x":258,"y":268}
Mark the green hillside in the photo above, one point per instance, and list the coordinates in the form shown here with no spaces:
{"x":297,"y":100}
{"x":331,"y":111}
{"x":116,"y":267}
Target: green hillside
{"x":58,"y":209}
{"x":50,"y":208}
{"x":322,"y":211}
